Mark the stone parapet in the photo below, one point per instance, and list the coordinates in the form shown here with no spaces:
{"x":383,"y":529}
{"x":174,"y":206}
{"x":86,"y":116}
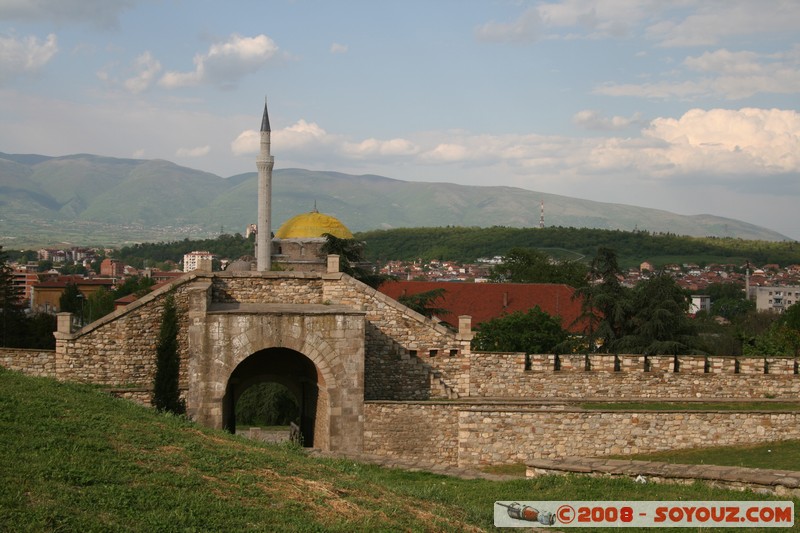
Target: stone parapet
{"x":515,"y":375}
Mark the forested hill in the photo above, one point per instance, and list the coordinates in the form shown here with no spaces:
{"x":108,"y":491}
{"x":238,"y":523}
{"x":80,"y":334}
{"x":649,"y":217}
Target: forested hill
{"x":468,"y":244}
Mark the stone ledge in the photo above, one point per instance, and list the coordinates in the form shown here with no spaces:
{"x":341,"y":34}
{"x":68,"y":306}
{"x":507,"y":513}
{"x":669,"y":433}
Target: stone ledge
{"x":779,"y":482}
{"x":281,"y":309}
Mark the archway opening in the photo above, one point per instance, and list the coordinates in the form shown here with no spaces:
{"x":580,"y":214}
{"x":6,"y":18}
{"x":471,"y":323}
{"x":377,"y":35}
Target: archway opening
{"x":291,"y":370}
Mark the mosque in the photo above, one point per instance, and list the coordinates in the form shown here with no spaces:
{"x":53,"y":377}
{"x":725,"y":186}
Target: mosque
{"x":298,"y":242}
{"x":297,"y":245}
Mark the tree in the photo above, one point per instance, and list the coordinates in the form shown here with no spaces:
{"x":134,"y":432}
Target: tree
{"x":138,"y":285}
{"x":532,"y":331}
{"x":351,"y":259}
{"x":606,"y":305}
{"x":528,"y":265}
{"x":99,"y":304}
{"x":166,"y":395}
{"x":660,"y":323}
{"x":728,"y":300}
{"x":267,"y":404}
{"x":424,"y":303}
{"x":782,"y":337}
{"x":12,"y":321}
{"x":71,"y":300}
{"x":39,"y":328}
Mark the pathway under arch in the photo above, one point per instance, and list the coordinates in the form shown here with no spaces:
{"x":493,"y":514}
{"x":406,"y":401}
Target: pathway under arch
{"x":317,"y":346}
{"x":298,"y":374}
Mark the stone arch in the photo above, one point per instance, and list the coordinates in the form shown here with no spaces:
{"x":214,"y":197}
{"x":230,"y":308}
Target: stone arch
{"x":332,"y":341}
{"x":314,"y":347}
{"x":315,"y":395}
{"x":297,"y":373}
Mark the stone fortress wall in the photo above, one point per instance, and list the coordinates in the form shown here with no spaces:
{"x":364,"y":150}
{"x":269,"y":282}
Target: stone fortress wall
{"x":500,"y":407}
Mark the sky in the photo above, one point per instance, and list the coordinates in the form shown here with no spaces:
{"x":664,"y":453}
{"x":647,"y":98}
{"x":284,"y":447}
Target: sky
{"x":691,"y":106}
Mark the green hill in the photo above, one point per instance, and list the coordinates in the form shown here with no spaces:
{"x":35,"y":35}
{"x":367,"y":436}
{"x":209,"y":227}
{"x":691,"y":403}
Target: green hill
{"x":147,"y":200}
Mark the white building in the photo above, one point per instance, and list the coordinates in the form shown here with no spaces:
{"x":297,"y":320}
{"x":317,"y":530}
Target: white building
{"x":776,"y":298}
{"x":193,"y":260}
{"x":700,"y":302}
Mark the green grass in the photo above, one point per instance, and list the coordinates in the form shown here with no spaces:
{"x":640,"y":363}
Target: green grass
{"x":783,"y":455}
{"x":692,"y":406}
{"x":74,"y":459}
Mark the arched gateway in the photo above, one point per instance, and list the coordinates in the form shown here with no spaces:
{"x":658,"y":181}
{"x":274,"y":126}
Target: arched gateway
{"x":316,"y":350}
{"x":334,"y":342}
{"x":291,"y":369}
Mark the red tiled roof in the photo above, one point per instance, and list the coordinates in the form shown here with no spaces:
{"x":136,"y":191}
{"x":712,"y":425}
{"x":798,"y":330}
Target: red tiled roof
{"x":484,"y":301}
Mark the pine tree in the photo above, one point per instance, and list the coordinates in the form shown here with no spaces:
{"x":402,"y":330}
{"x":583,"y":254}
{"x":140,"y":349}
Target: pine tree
{"x":166,"y":396}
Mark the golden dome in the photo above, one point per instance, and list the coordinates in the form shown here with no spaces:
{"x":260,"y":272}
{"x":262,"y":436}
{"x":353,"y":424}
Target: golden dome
{"x":312,"y":225}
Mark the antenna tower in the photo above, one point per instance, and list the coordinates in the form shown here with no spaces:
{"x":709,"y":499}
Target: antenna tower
{"x":541,"y":214}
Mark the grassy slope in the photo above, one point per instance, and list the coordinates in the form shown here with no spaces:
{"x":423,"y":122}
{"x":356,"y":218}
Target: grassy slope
{"x":74,"y":459}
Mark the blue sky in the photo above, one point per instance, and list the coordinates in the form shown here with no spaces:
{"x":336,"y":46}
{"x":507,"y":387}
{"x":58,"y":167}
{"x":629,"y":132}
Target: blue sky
{"x":689,"y":106}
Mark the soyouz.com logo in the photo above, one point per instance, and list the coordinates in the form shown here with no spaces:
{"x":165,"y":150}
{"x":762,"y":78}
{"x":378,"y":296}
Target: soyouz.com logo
{"x":644,"y":514}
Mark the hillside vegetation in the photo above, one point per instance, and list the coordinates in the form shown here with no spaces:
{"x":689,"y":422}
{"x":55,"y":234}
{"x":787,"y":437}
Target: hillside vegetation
{"x":631,"y":247}
{"x":469,"y":244}
{"x":74,"y":459}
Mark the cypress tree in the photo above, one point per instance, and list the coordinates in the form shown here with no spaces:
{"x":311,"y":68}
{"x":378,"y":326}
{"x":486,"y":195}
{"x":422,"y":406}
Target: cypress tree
{"x":12,"y":316}
{"x":166,"y":396}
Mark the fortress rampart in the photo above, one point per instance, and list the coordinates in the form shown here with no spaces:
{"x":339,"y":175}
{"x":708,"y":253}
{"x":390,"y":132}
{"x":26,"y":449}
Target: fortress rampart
{"x":503,"y":407}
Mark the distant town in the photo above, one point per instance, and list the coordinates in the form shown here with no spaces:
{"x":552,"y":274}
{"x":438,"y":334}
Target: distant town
{"x":40,"y":283}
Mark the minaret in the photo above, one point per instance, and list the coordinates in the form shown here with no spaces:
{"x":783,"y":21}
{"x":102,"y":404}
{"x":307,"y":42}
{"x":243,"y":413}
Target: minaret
{"x":264,"y":163}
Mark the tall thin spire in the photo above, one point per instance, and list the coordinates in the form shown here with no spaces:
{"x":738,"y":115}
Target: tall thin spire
{"x":264,"y":163}
{"x":265,"y":118}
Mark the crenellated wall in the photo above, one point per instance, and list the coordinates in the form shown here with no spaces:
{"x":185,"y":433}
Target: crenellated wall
{"x":504,"y":375}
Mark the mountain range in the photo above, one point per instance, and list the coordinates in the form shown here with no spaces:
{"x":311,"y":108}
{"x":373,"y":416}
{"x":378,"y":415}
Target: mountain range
{"x":94,"y":200}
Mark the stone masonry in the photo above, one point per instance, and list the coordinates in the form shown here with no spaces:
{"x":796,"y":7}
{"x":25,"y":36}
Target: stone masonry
{"x":370,"y":373}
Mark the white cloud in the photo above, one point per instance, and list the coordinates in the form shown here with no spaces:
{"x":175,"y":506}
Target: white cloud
{"x":721,"y":141}
{"x":147,"y":69}
{"x":670,"y":24}
{"x":299,"y":137}
{"x":374,"y":147}
{"x":590,"y":19}
{"x":309,"y":141}
{"x":526,"y":28}
{"x":732,"y":145}
{"x":727,"y":74}
{"x":26,"y":55}
{"x":198,"y":151}
{"x":337,"y":48}
{"x":594,"y":120}
{"x":245,"y":143}
{"x":225,"y":63}
{"x":100,"y":13}
{"x":711,"y":21}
